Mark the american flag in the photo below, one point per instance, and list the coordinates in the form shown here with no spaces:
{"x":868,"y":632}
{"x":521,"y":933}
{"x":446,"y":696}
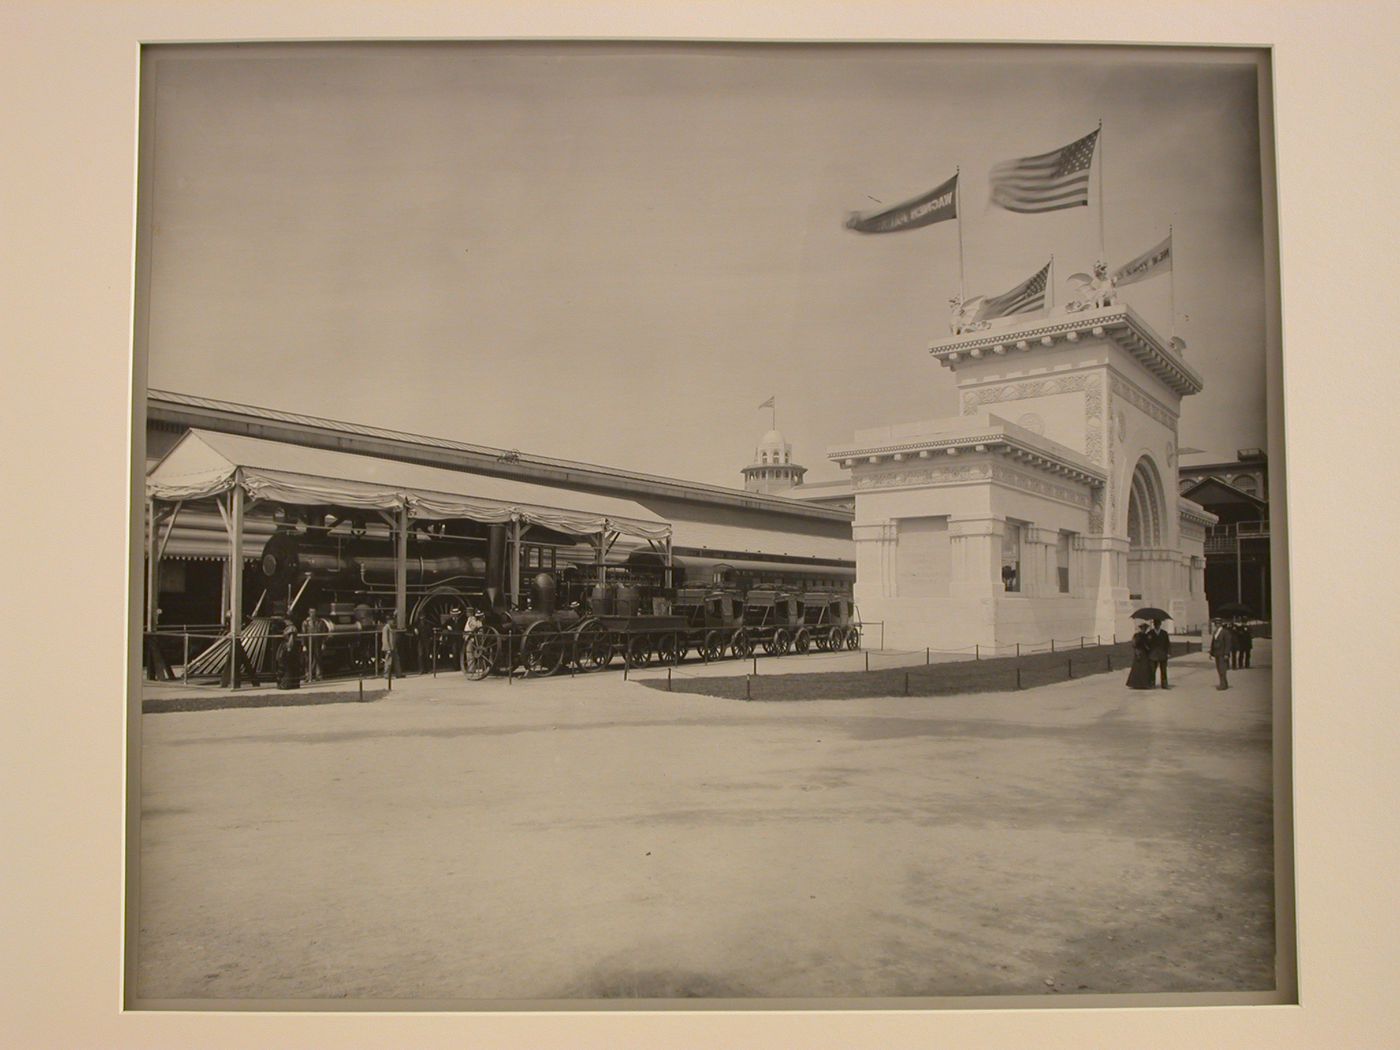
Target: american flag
{"x":1027,"y":296}
{"x":1049,"y":182}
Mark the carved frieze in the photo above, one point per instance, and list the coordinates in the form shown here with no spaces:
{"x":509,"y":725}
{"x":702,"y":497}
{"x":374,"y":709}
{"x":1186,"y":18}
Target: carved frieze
{"x":1191,"y":531}
{"x":1143,"y":402}
{"x":886,"y":479}
{"x":1040,"y":486}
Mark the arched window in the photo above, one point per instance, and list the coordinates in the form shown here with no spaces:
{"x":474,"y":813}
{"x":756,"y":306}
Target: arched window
{"x":1247,"y":483}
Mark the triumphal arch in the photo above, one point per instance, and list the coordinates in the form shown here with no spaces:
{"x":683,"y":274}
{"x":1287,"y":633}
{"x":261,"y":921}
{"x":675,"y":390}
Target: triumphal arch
{"x":1048,"y":507}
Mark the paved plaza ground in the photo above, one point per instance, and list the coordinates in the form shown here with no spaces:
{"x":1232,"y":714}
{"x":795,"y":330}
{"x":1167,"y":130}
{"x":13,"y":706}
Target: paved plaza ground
{"x":590,"y":837}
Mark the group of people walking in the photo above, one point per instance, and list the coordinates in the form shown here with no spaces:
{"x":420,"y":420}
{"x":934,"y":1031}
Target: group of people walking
{"x":1231,"y":645}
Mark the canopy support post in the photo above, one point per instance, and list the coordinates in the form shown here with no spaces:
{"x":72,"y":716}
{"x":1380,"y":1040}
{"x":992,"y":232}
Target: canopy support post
{"x":600,"y":540}
{"x":670,"y":563}
{"x":152,"y":565}
{"x":515,"y":561}
{"x":169,"y":528}
{"x":235,"y":584}
{"x":401,"y":569}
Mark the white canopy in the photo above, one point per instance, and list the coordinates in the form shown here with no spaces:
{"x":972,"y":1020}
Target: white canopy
{"x":205,"y":463}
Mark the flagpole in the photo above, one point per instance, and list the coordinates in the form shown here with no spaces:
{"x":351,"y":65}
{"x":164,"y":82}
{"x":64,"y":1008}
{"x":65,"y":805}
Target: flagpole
{"x":1171,"y":247}
{"x":957,"y":205}
{"x":774,"y":407}
{"x":1103,"y":254}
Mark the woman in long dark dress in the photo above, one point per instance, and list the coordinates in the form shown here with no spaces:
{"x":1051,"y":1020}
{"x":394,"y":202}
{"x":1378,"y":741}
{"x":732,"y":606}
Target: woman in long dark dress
{"x":1141,"y":676}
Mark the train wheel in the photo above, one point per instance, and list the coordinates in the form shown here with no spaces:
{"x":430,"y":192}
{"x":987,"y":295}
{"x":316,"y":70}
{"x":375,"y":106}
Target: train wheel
{"x":742,"y":644}
{"x":837,"y":640}
{"x":541,"y":649}
{"x":712,"y":648}
{"x":638,"y":651}
{"x":666,"y":650}
{"x":802,"y":641}
{"x":776,"y":644}
{"x":481,"y":651}
{"x":592,"y":646}
{"x":853,"y":638}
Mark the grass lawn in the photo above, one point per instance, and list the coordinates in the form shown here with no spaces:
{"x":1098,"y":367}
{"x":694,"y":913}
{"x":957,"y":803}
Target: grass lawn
{"x":942,"y":679}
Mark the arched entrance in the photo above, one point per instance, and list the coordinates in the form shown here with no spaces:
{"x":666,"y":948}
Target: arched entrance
{"x":1147,"y":522}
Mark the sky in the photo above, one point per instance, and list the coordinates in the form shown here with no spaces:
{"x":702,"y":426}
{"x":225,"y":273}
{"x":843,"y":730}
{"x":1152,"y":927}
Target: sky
{"x":615,"y":253}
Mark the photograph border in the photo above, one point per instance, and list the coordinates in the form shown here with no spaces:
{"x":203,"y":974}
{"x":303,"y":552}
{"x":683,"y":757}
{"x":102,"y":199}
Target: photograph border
{"x":1285,"y":990}
{"x":78,"y":70}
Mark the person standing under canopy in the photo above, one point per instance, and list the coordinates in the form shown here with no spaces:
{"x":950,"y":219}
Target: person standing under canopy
{"x":289,"y":660}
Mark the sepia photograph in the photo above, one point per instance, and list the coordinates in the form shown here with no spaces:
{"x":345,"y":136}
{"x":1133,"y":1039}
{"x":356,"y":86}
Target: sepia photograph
{"x":659,"y":524}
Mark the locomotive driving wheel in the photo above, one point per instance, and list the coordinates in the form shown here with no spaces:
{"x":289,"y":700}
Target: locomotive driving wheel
{"x":638,"y":651}
{"x":742,"y":644}
{"x":541,"y":649}
{"x":802,"y":640}
{"x":481,"y":650}
{"x":852,"y":638}
{"x":592,"y":646}
{"x":712,"y":648}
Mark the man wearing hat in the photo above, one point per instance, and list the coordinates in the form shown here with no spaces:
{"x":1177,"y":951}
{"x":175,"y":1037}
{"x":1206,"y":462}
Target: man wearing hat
{"x":1159,"y":649}
{"x":310,"y":628}
{"x":1221,"y":645}
{"x":289,"y":660}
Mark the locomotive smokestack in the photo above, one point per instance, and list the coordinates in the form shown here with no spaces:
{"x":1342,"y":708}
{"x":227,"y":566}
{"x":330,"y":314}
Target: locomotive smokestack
{"x":495,"y":564}
{"x":545,"y":593}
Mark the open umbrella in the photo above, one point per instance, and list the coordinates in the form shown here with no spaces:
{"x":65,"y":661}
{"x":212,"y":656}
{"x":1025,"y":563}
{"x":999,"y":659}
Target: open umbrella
{"x":1234,"y":609}
{"x":1151,"y":612}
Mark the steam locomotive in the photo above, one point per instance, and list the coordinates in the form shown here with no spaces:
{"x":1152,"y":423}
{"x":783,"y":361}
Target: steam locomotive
{"x":569,"y":607}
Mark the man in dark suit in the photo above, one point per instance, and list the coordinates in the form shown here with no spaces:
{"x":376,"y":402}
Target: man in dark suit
{"x":310,"y":629}
{"x":1246,"y":641}
{"x":1221,"y":646}
{"x":1159,"y":648}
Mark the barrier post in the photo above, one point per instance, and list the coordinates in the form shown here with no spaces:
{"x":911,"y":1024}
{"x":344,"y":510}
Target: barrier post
{"x":1069,"y":672}
{"x":977,"y":651}
{"x":437,"y":640}
{"x":906,"y":683}
{"x":1098,"y":639}
{"x":1018,"y":651}
{"x":668,"y":679}
{"x":185,"y":667}
{"x":1108,"y":661}
{"x":1018,"y":676}
{"x":882,"y":636}
{"x":927,"y":656}
{"x":867,"y":659}
{"x":1081,"y":641}
{"x":1052,"y":645}
{"x":748,"y":687}
{"x":362,"y":688}
{"x":755,"y":664}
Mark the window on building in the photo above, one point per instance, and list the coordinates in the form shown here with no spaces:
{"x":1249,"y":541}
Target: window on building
{"x":1011,"y":557}
{"x":1062,"y":549}
{"x":1247,"y":483}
